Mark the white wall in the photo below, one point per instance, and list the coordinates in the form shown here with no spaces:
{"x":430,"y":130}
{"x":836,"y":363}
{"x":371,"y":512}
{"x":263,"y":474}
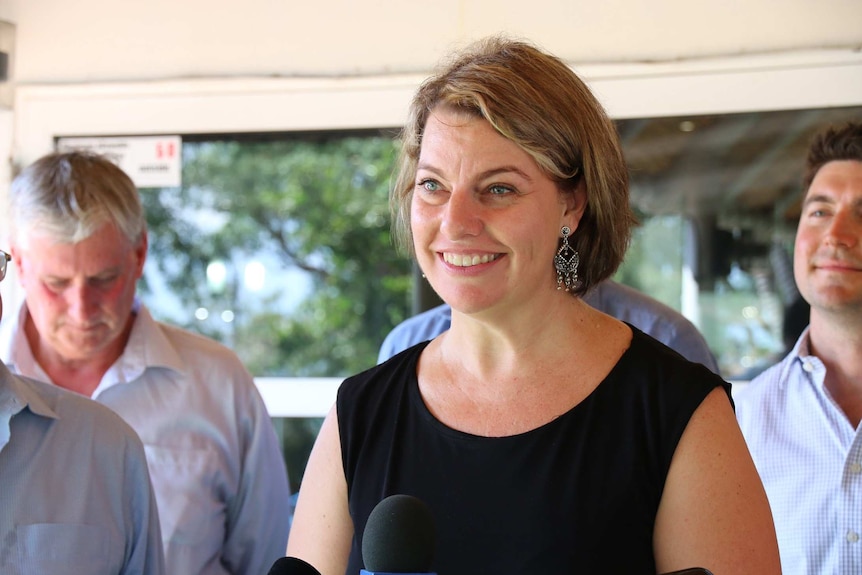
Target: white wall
{"x":179,"y":66}
{"x":124,"y":40}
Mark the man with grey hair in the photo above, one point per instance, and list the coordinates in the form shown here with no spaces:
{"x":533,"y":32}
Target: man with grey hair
{"x":76,"y":495}
{"x":79,"y":244}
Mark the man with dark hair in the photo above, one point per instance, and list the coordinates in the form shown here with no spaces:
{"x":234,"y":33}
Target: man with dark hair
{"x":801,"y":417}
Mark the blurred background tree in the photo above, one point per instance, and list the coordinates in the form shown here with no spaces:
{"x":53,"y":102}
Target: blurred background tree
{"x":316,"y":209}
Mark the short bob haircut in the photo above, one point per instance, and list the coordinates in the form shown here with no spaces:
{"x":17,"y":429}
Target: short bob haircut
{"x":70,"y":196}
{"x":537,"y":102}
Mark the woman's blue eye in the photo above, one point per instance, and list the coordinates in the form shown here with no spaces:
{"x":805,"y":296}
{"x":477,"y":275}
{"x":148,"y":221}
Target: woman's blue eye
{"x":499,"y":190}
{"x":430,"y":185}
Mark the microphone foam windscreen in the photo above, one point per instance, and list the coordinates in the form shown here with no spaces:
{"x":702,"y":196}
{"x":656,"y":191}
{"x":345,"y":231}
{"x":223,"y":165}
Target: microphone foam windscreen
{"x":292,"y":566}
{"x":399,"y":536}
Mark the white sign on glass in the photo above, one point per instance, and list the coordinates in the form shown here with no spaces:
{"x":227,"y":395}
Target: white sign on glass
{"x":151,"y":161}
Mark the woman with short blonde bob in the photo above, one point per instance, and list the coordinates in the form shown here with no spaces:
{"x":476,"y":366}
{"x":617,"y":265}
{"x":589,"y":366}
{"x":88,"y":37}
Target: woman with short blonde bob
{"x":544,"y":436}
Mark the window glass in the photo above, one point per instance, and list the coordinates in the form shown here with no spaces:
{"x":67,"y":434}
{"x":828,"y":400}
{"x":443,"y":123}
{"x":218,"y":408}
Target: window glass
{"x":719,"y":199}
{"x":279,"y":245}
{"x":280,"y":248}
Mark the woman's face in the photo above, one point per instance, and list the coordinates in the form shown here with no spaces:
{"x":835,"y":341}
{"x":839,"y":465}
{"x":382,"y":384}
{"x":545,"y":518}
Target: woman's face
{"x":485,"y":218}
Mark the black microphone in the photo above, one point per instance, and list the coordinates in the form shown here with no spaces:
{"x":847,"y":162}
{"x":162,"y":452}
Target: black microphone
{"x":399,"y":537}
{"x":292,"y":566}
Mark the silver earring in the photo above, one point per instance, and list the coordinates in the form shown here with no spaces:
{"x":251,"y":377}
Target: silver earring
{"x":566,"y":263}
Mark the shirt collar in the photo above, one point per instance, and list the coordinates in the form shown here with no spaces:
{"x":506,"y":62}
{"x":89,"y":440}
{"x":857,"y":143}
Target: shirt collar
{"x":16,"y":394}
{"x":800,"y":357}
{"x":803,"y":345}
{"x":149,"y":341}
{"x":148,"y":347}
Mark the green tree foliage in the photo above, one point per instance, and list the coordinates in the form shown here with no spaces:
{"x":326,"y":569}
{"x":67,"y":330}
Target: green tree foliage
{"x":318,"y":205}
{"x":653,"y":262}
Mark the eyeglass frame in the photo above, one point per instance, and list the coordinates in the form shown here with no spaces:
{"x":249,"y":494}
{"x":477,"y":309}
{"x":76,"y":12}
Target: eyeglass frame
{"x":5,"y":258}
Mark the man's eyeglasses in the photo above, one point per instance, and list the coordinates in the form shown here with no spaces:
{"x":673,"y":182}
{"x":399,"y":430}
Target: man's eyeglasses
{"x":4,"y":261}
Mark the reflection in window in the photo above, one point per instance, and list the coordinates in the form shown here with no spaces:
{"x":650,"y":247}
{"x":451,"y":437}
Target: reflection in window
{"x":719,"y":199}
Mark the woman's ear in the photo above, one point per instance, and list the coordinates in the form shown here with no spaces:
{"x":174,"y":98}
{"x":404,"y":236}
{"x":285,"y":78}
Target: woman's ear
{"x":574,"y":203}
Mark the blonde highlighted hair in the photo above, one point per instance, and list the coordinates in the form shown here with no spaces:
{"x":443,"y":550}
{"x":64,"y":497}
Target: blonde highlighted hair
{"x":535,"y":100}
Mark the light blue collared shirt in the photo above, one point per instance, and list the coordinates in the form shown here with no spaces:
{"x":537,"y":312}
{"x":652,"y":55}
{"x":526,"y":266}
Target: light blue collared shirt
{"x":216,"y":465}
{"x":810,"y":461}
{"x":75,"y":494}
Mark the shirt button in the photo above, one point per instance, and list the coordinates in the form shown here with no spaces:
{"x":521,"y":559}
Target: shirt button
{"x":808,"y":366}
{"x":852,"y":536}
{"x":855,"y":467}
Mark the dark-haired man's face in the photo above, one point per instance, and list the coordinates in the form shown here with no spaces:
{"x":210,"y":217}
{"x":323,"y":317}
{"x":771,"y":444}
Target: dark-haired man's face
{"x":828,"y":252}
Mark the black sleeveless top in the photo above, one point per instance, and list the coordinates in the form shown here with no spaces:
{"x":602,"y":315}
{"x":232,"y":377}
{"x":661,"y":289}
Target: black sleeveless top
{"x":578,"y":495}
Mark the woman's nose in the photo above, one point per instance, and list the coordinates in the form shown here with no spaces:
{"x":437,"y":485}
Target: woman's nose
{"x":461,"y":216}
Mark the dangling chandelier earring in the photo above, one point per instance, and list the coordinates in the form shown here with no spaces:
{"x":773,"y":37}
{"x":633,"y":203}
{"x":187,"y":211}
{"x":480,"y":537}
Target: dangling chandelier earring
{"x":566,"y":263}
